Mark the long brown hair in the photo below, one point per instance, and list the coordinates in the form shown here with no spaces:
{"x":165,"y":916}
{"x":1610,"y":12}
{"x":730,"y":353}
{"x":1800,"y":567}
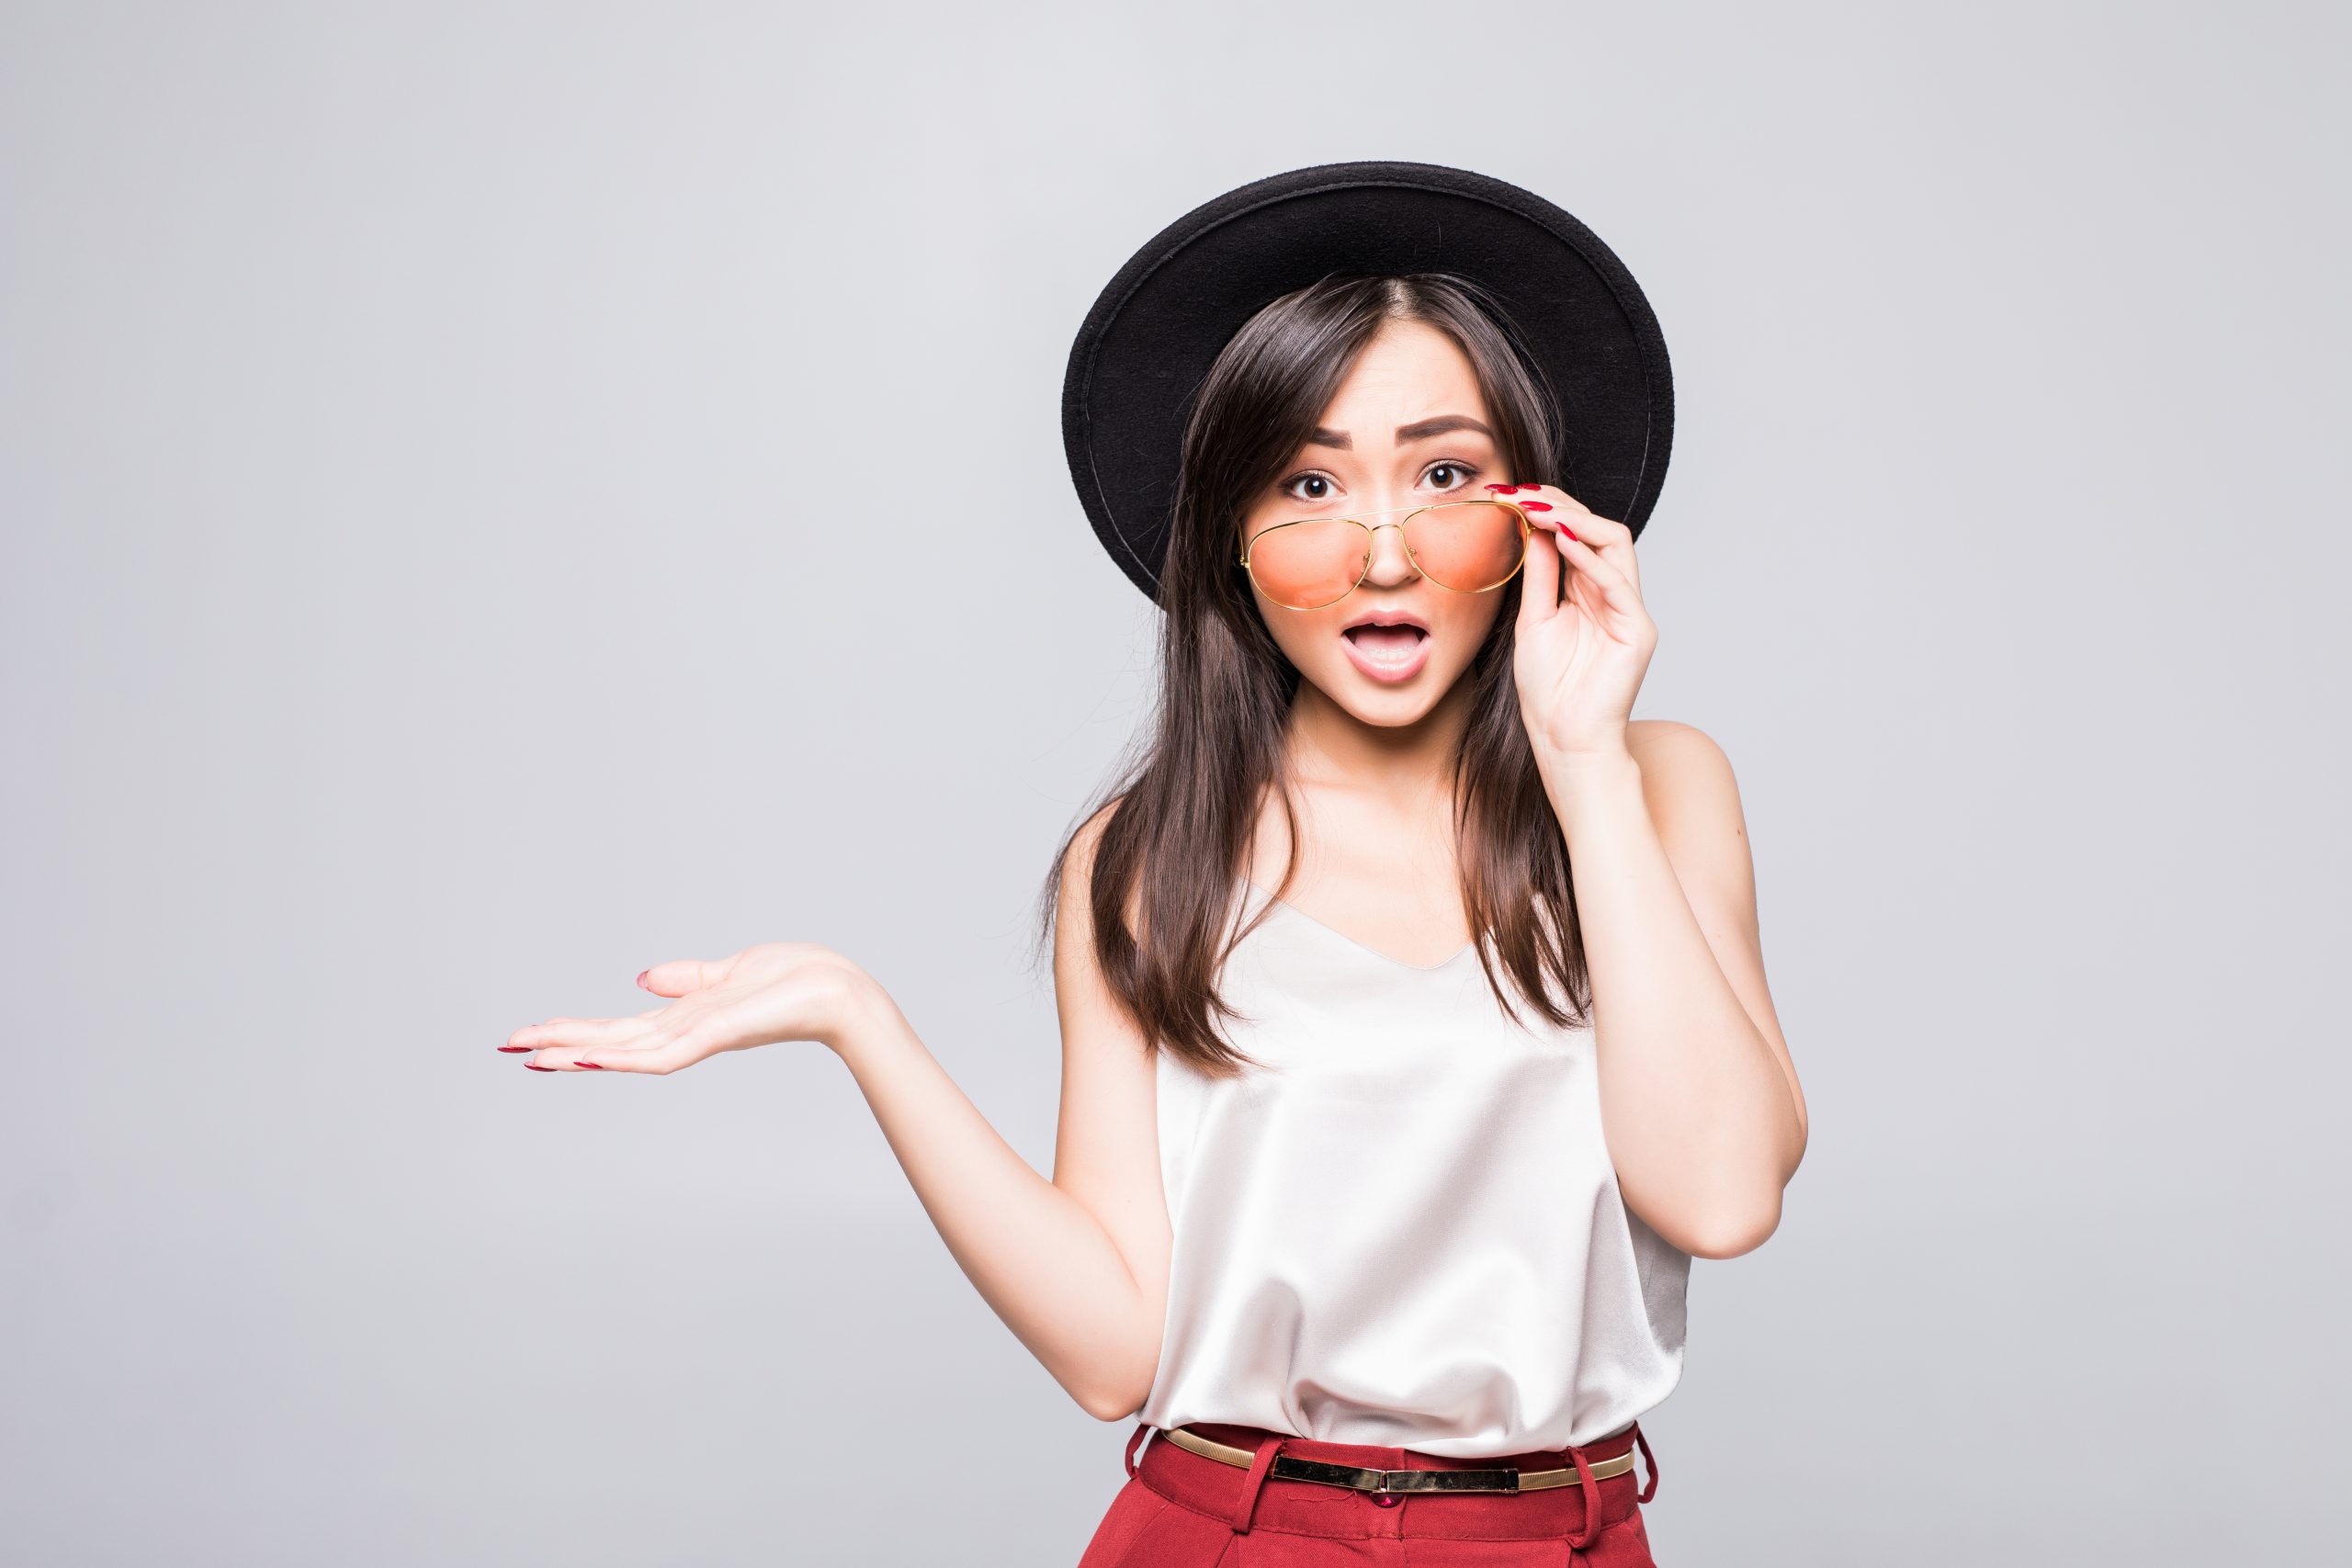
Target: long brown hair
{"x":1189,"y":802}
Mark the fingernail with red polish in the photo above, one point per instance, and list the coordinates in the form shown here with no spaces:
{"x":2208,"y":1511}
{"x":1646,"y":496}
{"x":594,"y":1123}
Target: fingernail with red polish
{"x":599,"y":1067}
{"x":1571,"y":532}
{"x":536,"y":1068}
{"x":1537,"y":505}
{"x":515,"y":1047}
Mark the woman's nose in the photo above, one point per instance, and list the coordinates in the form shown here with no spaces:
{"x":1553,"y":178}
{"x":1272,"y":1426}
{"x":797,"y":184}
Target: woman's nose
{"x":1391,"y":562}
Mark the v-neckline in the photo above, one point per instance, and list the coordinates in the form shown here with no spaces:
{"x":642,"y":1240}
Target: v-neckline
{"x":1465,"y":951}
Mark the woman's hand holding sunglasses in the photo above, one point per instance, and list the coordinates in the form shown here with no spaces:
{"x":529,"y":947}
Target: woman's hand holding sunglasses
{"x":776,"y":991}
{"x":1581,"y":652}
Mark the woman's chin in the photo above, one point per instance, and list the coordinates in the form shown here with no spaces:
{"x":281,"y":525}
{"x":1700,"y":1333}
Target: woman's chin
{"x":1385,"y":705}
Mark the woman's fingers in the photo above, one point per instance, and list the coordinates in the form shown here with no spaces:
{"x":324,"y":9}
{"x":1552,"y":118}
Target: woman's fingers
{"x":1539,"y":595}
{"x":573,"y":1034}
{"x":1620,"y":594}
{"x":681,"y":977}
{"x":575,"y":1031}
{"x":679,"y":1037}
{"x":634,"y":1048}
{"x":1569,"y":523}
{"x":665,"y":1058}
{"x":1605,"y":536}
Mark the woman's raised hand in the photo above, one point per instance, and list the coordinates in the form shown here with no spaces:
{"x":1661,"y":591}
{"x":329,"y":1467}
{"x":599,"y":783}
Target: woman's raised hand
{"x":776,"y":991}
{"x":1581,"y":652}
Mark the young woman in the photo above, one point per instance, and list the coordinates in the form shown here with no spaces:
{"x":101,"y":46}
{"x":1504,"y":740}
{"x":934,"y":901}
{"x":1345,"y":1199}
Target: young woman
{"x":1351,"y":1205}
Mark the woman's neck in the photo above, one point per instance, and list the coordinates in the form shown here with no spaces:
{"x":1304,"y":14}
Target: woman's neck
{"x":1405,"y":764}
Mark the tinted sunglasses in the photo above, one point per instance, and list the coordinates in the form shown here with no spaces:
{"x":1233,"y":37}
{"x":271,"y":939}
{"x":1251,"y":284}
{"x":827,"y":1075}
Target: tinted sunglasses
{"x":1470,"y":546}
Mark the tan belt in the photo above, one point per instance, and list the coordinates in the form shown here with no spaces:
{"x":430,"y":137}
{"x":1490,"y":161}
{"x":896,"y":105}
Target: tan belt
{"x":1289,"y":1467}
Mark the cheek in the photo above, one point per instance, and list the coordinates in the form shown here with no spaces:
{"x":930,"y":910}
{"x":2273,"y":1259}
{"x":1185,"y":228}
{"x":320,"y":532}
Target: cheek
{"x":1306,"y":640}
{"x":1465,"y":625}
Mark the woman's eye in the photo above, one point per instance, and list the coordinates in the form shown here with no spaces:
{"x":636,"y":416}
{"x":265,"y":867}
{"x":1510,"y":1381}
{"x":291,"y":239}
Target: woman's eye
{"x":1322,"y":485}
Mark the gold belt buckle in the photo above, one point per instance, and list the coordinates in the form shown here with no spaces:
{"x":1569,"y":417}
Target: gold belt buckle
{"x":1394,"y":1483}
{"x":1399,"y":1482}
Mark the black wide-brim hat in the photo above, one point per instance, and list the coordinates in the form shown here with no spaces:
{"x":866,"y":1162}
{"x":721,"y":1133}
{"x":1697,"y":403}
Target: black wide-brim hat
{"x":1147,"y":343}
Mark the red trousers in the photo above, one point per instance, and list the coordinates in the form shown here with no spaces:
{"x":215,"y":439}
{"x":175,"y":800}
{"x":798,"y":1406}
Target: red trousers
{"x":1180,"y":1509}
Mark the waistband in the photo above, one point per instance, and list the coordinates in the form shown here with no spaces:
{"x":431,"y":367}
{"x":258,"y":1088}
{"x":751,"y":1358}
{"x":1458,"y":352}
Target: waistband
{"x":1260,"y":1498}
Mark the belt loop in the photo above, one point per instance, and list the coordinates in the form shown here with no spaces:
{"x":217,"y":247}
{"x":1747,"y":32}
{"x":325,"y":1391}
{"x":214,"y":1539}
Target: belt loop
{"x":1649,"y":1491}
{"x":1591,"y":1489}
{"x":1267,"y":1448}
{"x":1137,"y":1436}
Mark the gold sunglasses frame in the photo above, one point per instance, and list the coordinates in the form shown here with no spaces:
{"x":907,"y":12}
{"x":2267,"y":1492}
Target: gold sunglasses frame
{"x":1526,"y":531}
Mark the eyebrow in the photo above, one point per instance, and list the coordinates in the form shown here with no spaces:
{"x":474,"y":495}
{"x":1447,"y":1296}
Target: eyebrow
{"x":1421,"y":431}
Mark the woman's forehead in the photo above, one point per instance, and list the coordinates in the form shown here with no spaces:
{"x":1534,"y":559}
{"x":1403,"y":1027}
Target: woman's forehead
{"x":1401,"y":395}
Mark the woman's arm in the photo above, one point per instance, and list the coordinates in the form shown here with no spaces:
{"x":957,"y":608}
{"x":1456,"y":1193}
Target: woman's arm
{"x":1076,"y":1267}
{"x":1699,"y":1100}
{"x":1044,"y":1259}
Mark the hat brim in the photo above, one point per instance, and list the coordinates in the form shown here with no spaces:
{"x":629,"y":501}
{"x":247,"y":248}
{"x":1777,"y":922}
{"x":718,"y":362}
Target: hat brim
{"x":1147,"y":343}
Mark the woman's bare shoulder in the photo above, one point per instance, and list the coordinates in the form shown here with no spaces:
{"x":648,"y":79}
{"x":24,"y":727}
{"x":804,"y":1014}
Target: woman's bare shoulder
{"x":1644,"y":734}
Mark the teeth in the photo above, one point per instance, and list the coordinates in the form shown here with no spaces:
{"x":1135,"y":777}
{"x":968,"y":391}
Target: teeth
{"x":1395,"y":645}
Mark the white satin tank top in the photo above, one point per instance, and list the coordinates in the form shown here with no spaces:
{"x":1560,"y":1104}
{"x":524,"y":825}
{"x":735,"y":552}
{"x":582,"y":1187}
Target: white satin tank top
{"x":1409,"y":1234}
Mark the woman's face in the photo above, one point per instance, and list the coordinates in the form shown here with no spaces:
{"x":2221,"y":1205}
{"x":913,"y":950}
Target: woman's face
{"x":1376,"y":450}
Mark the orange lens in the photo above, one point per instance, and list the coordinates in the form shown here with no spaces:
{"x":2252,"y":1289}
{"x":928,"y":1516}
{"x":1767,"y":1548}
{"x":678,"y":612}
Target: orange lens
{"x":1308,"y":565}
{"x":1468,"y":546}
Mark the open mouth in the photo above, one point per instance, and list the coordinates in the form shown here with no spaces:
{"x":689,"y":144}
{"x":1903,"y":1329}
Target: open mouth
{"x":1397,"y":645}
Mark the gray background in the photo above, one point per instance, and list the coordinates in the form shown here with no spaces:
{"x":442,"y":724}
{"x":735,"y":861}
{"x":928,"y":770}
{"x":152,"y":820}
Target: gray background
{"x":497,"y":496}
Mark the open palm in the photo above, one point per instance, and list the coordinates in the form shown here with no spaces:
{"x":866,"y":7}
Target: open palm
{"x":776,"y":992}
